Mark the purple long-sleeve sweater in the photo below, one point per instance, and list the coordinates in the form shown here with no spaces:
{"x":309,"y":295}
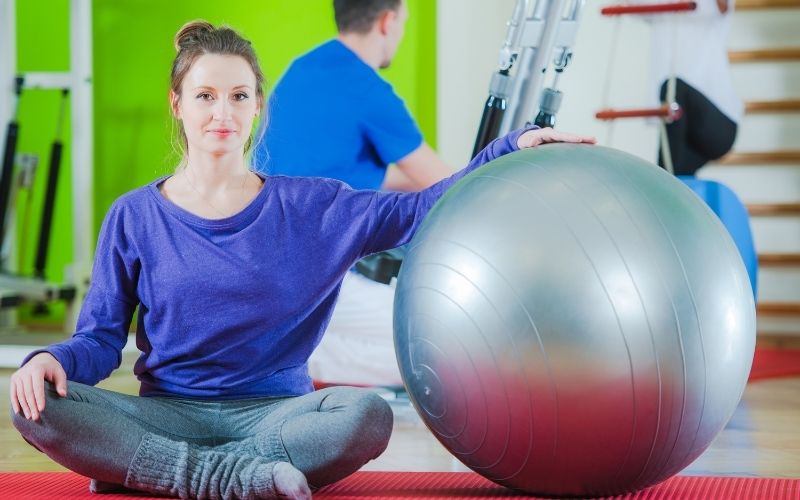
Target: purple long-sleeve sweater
{"x":232,"y":308}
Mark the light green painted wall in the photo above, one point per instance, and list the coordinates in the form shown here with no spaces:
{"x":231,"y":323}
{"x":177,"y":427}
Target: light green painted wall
{"x":132,"y":56}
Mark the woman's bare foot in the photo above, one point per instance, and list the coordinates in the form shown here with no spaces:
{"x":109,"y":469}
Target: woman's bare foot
{"x":290,"y":482}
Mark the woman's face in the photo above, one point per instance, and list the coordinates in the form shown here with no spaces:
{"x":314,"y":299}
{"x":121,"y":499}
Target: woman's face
{"x":218,"y":104}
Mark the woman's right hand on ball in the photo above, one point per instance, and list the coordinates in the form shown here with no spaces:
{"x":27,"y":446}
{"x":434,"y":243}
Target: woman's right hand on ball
{"x":27,"y":384}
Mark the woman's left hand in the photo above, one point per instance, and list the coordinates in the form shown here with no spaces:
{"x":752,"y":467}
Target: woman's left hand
{"x":533,"y":138}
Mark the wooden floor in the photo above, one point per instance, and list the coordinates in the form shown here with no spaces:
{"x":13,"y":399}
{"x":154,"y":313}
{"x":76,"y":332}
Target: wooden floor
{"x":762,"y":439}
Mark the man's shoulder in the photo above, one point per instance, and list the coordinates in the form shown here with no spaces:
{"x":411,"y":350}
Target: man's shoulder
{"x":325,"y":54}
{"x":336,"y":62}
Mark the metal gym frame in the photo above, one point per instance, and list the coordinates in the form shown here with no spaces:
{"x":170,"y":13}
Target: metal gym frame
{"x":539,"y":34}
{"x":78,"y":83}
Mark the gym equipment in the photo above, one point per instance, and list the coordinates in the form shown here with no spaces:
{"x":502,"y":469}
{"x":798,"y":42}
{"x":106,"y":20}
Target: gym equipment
{"x":658,"y":8}
{"x":9,"y":153}
{"x":14,"y":287}
{"x":375,"y":485}
{"x":536,"y":37}
{"x":721,"y":199}
{"x":733,"y":215}
{"x":670,"y":110}
{"x":77,"y":85}
{"x":539,"y":34}
{"x":50,"y":196}
{"x":573,"y":320}
{"x":65,"y":292}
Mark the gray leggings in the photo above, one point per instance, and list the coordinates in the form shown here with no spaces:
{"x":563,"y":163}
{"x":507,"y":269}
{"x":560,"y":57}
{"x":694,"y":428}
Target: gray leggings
{"x":209,"y":449}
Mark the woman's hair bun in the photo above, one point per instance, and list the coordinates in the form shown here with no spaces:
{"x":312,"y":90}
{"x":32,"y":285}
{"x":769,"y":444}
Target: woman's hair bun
{"x":190,"y":32}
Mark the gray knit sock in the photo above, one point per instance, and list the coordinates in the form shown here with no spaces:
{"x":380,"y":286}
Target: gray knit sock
{"x":175,"y":468}
{"x":267,"y":445}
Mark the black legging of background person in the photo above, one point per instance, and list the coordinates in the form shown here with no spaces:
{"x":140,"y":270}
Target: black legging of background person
{"x":703,"y":133}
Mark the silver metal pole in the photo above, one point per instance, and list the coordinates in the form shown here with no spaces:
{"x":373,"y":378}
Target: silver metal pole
{"x":8,"y":71}
{"x":524,"y":71}
{"x":82,"y":150}
{"x":8,"y":61}
{"x":516,"y":25}
{"x":529,"y":93}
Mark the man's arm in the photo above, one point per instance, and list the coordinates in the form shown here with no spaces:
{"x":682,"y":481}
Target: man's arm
{"x":396,"y":180}
{"x":417,"y":170}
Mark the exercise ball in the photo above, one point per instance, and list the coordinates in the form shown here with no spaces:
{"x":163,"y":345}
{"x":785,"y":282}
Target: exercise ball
{"x":572,"y":320}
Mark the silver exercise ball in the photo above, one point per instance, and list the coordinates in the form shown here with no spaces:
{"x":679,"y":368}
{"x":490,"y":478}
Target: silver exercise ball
{"x":572,"y":320}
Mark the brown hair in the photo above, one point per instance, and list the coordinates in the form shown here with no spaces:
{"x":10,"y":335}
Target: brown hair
{"x":197,"y":38}
{"x":358,"y":16}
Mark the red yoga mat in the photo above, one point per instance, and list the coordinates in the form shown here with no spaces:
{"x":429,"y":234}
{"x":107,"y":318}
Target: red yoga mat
{"x":773,"y":363}
{"x":423,"y":485}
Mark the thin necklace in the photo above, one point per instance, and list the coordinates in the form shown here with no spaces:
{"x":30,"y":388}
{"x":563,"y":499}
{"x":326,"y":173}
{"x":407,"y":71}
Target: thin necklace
{"x":206,"y":200}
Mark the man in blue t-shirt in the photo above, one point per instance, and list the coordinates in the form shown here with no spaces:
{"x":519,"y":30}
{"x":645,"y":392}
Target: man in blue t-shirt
{"x":363,"y":135}
{"x":361,"y":126}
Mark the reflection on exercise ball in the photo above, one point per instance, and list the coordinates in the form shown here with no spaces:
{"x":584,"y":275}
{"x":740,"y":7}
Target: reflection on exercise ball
{"x":572,"y":320}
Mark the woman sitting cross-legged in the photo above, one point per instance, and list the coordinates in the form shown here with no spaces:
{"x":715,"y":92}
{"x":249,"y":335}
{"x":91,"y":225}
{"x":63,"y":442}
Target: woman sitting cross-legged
{"x":235,"y":276}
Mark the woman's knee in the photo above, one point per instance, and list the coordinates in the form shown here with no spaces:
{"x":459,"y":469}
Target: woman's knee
{"x":369,"y":416}
{"x":41,"y":433}
{"x":29,"y":430}
{"x":374,"y":419}
{"x":18,"y":420}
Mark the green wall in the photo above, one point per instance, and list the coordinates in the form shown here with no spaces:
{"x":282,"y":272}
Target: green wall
{"x":132,"y":55}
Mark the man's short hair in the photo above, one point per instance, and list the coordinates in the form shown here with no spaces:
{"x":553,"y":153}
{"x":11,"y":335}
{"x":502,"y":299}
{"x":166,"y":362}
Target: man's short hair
{"x":358,"y":16}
